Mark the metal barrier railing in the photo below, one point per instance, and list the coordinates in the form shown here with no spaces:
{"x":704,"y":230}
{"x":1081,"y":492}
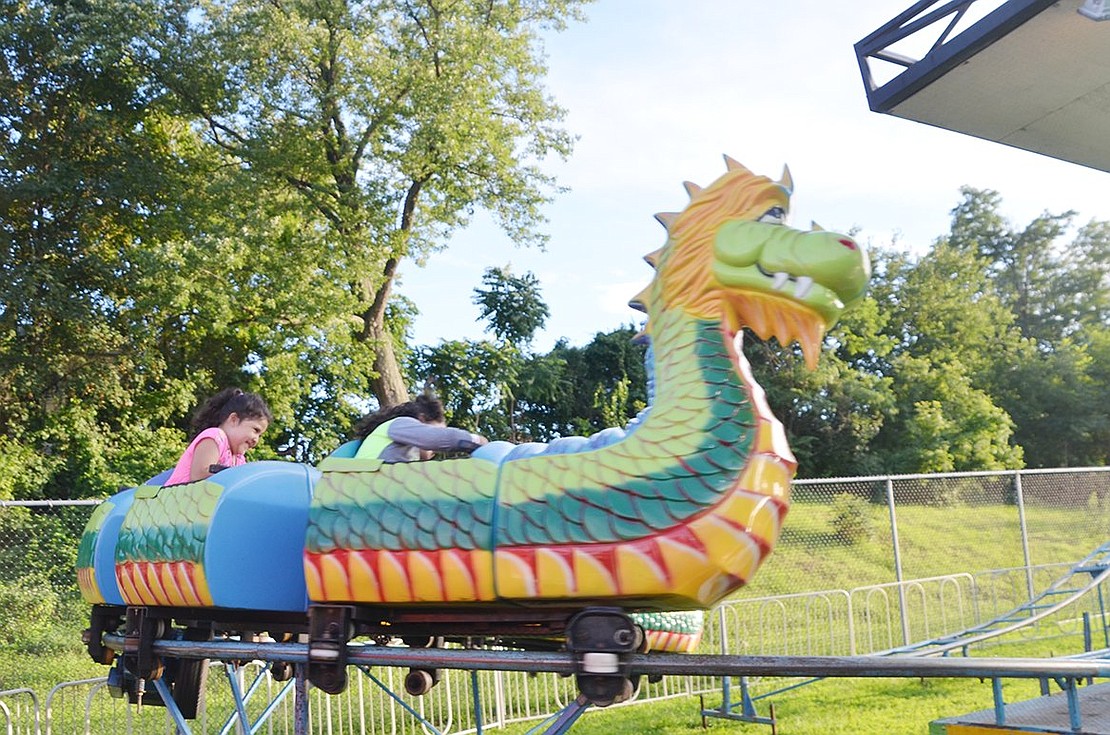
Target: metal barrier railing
{"x":12,"y":717}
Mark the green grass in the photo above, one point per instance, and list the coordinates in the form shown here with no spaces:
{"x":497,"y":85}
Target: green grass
{"x":847,"y":706}
{"x":40,"y":638}
{"x":933,"y":541}
{"x":41,"y":673}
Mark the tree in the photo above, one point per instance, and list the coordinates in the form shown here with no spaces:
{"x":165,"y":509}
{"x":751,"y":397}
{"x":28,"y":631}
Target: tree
{"x":91,"y":175}
{"x":391,"y":121}
{"x":1053,"y":287}
{"x":468,"y":377}
{"x":1088,"y":274}
{"x":833,"y":413}
{"x":1058,"y":292}
{"x":512,"y":304}
{"x":580,"y":390}
{"x":479,"y":380}
{"x":1055,"y":402}
{"x":944,"y":423}
{"x":950,"y":331}
{"x":1099,"y":350}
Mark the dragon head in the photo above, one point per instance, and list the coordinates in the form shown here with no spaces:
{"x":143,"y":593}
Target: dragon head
{"x":729,"y":256}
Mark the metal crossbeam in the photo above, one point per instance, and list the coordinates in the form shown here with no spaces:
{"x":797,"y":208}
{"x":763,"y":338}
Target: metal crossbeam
{"x":663,"y":664}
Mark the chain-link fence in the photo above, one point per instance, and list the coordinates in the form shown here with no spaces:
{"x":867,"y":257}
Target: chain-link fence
{"x":863,"y":565}
{"x":847,"y":533}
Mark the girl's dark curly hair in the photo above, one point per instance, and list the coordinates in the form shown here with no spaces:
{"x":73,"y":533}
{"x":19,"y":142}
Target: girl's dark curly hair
{"x":216,"y":409}
{"x":424,"y":408}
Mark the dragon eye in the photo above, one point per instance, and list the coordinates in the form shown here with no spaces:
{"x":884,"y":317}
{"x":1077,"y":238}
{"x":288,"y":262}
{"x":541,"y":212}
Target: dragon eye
{"x":774,"y":216}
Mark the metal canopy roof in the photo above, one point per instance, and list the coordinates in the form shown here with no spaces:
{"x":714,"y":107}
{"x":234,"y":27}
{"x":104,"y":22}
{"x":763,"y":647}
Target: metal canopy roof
{"x":1033,"y":74}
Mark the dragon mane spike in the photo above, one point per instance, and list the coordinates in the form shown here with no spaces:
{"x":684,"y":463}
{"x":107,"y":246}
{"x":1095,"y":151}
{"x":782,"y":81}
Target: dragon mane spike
{"x":652,"y":258}
{"x":786,"y":181}
{"x":666,"y":218}
{"x":691,"y":187}
{"x":814,"y":227}
{"x":639,"y":301}
{"x":733,"y":165}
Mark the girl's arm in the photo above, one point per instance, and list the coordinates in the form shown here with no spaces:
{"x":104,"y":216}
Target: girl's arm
{"x":414,"y":433}
{"x":205,"y":454}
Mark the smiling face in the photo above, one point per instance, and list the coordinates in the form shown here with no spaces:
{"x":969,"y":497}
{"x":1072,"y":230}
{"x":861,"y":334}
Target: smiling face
{"x":243,"y":434}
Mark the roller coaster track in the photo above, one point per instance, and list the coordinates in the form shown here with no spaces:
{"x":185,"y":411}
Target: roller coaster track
{"x":1068,"y":671}
{"x":1081,"y":579}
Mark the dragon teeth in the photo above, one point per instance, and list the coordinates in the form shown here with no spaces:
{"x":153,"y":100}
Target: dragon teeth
{"x":780,"y":280}
{"x":805,"y":285}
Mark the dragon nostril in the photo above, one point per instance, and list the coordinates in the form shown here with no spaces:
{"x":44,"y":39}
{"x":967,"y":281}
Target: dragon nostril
{"x":850,"y":244}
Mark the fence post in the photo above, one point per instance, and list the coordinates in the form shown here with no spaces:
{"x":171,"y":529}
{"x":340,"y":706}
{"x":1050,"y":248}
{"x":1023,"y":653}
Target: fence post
{"x":300,"y":699}
{"x":897,"y":561}
{"x":726,"y":681}
{"x":1024,"y":533}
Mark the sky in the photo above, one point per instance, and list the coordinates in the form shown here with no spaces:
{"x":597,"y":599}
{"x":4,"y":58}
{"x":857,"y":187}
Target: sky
{"x":658,"y":91}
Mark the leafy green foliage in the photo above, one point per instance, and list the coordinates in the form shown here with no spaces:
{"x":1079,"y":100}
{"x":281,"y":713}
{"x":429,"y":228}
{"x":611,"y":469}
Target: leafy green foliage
{"x":833,"y":413}
{"x":469,"y":379}
{"x":90,"y":164}
{"x":580,"y":390}
{"x":512,"y":304}
{"x":383,"y":125}
{"x":200,"y":194}
{"x":977,"y":355}
{"x":34,"y":617}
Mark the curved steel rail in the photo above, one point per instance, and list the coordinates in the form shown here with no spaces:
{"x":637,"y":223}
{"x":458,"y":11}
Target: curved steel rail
{"x":1061,"y":593}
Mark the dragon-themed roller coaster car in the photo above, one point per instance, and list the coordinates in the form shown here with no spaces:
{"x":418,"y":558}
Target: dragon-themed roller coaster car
{"x":604,"y":545}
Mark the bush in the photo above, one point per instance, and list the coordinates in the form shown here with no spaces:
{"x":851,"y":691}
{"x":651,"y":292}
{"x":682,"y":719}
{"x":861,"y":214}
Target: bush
{"x":851,"y":518}
{"x":32,"y":618}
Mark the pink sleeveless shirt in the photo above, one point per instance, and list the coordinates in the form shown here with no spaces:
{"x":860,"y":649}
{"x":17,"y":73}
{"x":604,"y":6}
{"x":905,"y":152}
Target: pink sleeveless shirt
{"x":181,"y":472}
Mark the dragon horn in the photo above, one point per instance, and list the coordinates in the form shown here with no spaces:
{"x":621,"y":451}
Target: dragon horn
{"x":733,"y":165}
{"x":691,"y":188}
{"x":814,"y":227}
{"x":787,"y":181}
{"x":652,"y":258}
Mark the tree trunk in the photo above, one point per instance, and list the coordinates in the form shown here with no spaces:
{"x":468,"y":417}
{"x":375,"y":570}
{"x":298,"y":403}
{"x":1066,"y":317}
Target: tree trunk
{"x":389,"y":385}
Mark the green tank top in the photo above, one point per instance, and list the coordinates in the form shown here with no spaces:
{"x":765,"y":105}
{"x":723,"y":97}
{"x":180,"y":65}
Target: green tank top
{"x":375,"y":443}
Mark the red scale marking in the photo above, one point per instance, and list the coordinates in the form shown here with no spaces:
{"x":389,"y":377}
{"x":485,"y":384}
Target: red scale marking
{"x":764,"y":546}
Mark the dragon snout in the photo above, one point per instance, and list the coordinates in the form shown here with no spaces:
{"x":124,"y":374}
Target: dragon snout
{"x":822,"y":270}
{"x":836,"y":261}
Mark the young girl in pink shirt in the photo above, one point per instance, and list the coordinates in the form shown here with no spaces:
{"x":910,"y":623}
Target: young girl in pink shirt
{"x":228,"y":425}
